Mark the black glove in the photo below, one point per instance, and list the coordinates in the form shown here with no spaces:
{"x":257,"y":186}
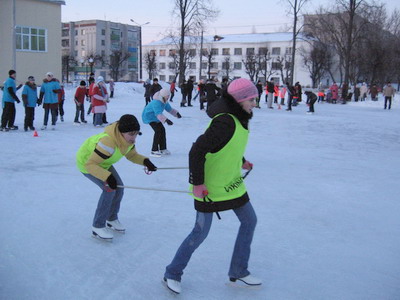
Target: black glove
{"x":18,"y":101}
{"x":112,"y":182}
{"x":149,"y":165}
{"x":169,"y":122}
{"x":39,"y":102}
{"x":178,"y":115}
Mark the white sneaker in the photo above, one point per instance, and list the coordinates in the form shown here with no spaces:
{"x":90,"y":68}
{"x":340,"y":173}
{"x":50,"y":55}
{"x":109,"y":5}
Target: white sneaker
{"x":77,"y":123}
{"x":116,"y":225}
{"x":165,"y":152}
{"x":53,"y":127}
{"x":44,"y":127}
{"x":173,"y":285}
{"x":249,"y":280}
{"x":102,"y":233}
{"x":155,"y":153}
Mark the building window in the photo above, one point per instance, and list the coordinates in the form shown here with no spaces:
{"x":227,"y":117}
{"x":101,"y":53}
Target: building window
{"x":238,"y":51}
{"x":192,"y":65}
{"x":225,"y":51}
{"x":65,"y":43}
{"x":103,"y":32}
{"x":162,"y":66}
{"x":83,"y":42}
{"x":250,"y":51}
{"x":263,"y":51}
{"x":103,"y":53}
{"x":103,"y":42}
{"x":276,"y":51}
{"x":237,"y":65}
{"x":162,"y":52}
{"x":162,"y":77}
{"x":76,"y":32}
{"x":288,"y":50}
{"x":172,"y":52}
{"x":275,"y":66}
{"x":204,"y":65}
{"x":226,"y":65}
{"x":171,"y":66}
{"x":65,"y":32}
{"x":153,"y":52}
{"x":31,"y":39}
{"x":171,"y":78}
{"x":214,"y":51}
{"x":214,"y":65}
{"x":83,"y":31}
{"x":204,"y":52}
{"x":192,"y":52}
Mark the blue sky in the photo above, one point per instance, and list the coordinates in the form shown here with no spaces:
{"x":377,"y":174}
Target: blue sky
{"x":235,"y":17}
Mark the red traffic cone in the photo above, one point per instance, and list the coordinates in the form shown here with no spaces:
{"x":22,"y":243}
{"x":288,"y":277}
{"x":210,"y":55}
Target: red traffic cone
{"x":35,"y":134}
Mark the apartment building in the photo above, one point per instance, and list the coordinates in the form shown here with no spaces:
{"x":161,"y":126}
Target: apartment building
{"x":30,"y":44}
{"x":229,"y":52}
{"x":87,"y":46}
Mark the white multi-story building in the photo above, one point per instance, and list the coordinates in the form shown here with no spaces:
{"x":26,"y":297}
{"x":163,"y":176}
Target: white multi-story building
{"x":87,"y":41}
{"x":229,"y":52}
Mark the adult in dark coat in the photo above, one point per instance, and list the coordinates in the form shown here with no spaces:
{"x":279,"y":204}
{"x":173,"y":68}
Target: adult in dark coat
{"x":211,"y":91}
{"x":189,"y":89}
{"x":155,"y":87}
{"x":311,"y":98}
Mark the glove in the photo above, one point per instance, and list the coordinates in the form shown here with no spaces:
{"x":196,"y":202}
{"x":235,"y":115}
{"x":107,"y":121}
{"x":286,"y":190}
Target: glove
{"x":200,"y":191}
{"x":19,"y":86}
{"x":247,"y":165}
{"x":169,"y":122}
{"x":149,"y":165}
{"x":178,"y":115}
{"x":18,"y":101}
{"x":112,"y":182}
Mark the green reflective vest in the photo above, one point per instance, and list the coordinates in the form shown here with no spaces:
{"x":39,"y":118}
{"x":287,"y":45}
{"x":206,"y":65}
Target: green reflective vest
{"x":87,"y":149}
{"x":222,"y":170}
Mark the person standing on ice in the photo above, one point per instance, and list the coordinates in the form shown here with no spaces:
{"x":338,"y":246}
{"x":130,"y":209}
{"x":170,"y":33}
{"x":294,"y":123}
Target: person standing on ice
{"x":153,"y":115}
{"x":80,"y":94}
{"x":221,"y":147}
{"x":95,"y":159}
{"x":30,"y":99}
{"x":99,"y":101}
{"x":8,"y":102}
{"x":49,"y":96}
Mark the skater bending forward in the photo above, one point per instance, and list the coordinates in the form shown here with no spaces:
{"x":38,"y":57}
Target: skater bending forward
{"x":95,"y":159}
{"x":215,"y":163}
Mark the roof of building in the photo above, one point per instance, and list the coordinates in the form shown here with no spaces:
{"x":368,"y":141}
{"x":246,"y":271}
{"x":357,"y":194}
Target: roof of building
{"x":53,"y":1}
{"x":234,"y":38}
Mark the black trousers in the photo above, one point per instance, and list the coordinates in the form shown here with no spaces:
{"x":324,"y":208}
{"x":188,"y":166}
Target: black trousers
{"x":189,"y":98}
{"x":388,"y":99}
{"x":8,"y":115}
{"x":61,"y":108}
{"x":159,"y":139}
{"x":29,"y":117}
{"x":312,"y":105}
{"x":80,"y":109}
{"x":290,"y":99}
{"x":148,"y":99}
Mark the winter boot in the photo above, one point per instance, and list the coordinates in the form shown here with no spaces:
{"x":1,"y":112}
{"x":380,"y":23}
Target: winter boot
{"x":173,"y":285}
{"x":102,"y":233}
{"x":249,"y":280}
{"x":155,"y":153}
{"x":165,"y":152}
{"x":115,"y":225}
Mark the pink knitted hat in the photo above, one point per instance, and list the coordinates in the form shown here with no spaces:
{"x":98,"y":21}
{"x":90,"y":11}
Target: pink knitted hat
{"x":242,"y":89}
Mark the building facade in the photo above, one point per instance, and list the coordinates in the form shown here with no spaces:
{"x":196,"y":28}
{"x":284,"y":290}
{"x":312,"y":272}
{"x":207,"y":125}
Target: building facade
{"x":230,"y":54}
{"x":29,"y":44}
{"x":94,"y":45}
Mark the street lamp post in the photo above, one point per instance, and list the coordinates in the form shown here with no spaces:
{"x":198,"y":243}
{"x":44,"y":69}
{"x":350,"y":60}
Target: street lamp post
{"x":140,"y":46}
{"x":91,"y":61}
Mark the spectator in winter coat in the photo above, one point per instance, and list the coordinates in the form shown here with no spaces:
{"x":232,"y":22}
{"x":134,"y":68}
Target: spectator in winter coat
{"x":172,"y":89}
{"x":189,"y":89}
{"x":61,"y":99}
{"x":388,"y":93}
{"x":363,"y":91}
{"x":276,"y":92}
{"x":155,"y":87}
{"x":259,"y":87}
{"x":291,"y":92}
{"x":30,"y":99}
{"x":374,"y":92}
{"x":49,"y":97}
{"x":99,"y":101}
{"x":299,"y":91}
{"x":282,"y":94}
{"x":311,"y":98}
{"x":269,"y":90}
{"x":147,"y":91}
{"x":80,"y":95}
{"x":95,"y":159}
{"x":321,"y":95}
{"x":356,"y":93}
{"x":211,"y":91}
{"x":184,"y":92}
{"x":8,"y":102}
{"x":112,"y":85}
{"x":345,"y":92}
{"x":202,"y":92}
{"x":221,"y":147}
{"x":334,"y":92}
{"x":153,"y":115}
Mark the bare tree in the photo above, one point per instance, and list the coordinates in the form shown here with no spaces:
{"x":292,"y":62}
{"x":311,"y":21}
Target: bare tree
{"x":68,"y":62}
{"x":116,"y":61}
{"x":264,"y":64}
{"x":316,"y":60}
{"x":251,"y":65}
{"x":150,"y":63}
{"x":226,"y":67}
{"x":295,"y":8}
{"x":192,"y":15}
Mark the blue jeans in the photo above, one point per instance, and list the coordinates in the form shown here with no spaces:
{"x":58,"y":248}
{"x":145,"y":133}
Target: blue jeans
{"x":241,"y":251}
{"x":109,"y":202}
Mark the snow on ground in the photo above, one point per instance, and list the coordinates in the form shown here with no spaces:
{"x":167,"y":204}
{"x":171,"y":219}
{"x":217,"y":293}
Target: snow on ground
{"x":324,"y":186}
